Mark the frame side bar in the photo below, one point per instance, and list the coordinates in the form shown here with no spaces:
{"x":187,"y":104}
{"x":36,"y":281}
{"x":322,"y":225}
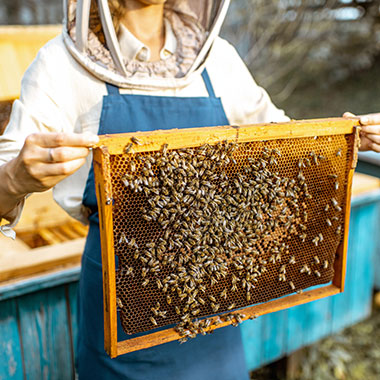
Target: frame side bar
{"x":340,"y":262}
{"x":103,"y":194}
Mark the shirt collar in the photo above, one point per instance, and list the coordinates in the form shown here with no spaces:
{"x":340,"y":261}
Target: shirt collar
{"x":132,"y":48}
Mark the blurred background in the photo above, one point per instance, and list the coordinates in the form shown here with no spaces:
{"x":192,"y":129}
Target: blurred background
{"x":316,"y":58}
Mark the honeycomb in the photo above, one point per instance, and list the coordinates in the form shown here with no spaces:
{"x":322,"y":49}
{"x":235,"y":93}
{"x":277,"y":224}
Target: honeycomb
{"x":225,"y":227}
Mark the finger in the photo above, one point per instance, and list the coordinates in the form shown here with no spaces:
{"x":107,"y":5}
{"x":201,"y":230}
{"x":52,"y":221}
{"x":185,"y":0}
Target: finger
{"x":375,"y":147}
{"x":365,"y":143}
{"x":60,"y":168}
{"x":52,"y":140}
{"x":370,"y":119}
{"x":348,"y":114}
{"x":371,"y":129}
{"x":373,"y":138}
{"x":63,"y":154}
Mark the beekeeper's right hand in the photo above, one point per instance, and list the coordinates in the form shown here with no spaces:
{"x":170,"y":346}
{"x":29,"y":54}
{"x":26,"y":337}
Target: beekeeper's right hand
{"x":44,"y":160}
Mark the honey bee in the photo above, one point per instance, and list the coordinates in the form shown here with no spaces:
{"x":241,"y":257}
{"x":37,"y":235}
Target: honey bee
{"x":214,"y":307}
{"x":127,"y":148}
{"x":136,"y":141}
{"x":201,"y":301}
{"x":238,"y":318}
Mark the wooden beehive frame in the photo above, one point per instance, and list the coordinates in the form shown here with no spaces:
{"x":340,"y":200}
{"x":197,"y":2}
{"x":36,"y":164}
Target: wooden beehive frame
{"x":193,"y":137}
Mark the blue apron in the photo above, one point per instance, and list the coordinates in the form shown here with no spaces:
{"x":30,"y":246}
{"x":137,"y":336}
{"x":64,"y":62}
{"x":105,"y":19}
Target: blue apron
{"x":218,"y":356}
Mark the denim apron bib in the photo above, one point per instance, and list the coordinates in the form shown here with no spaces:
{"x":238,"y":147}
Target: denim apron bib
{"x":218,"y":356}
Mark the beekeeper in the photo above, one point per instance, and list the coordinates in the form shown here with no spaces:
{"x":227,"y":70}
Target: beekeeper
{"x":124,"y":66}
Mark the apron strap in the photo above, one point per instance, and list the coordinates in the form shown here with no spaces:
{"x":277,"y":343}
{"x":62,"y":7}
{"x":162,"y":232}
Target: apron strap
{"x":207,"y":81}
{"x":112,"y":89}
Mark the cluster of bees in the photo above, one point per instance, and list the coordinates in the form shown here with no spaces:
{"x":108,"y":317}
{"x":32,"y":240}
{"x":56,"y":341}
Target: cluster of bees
{"x":216,"y":229}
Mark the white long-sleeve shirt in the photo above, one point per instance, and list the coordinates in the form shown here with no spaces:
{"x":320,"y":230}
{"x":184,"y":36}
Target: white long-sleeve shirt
{"x":60,"y":95}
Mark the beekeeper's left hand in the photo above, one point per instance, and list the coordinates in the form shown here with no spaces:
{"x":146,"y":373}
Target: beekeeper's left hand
{"x":370,"y":133}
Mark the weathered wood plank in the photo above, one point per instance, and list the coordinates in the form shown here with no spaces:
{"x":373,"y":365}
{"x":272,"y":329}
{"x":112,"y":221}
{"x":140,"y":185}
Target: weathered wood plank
{"x":19,"y":287}
{"x":274,"y":336}
{"x":72,"y":294}
{"x":45,"y":335}
{"x":35,"y":261}
{"x":317,"y":321}
{"x":252,"y":336}
{"x":10,"y":349}
{"x":377,"y":251}
{"x":308,"y":323}
{"x":363,"y":276}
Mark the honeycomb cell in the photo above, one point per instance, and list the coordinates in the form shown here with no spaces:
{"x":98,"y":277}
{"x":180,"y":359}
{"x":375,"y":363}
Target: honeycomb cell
{"x":209,"y":230}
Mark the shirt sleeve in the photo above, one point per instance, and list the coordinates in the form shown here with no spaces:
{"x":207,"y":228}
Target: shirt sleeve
{"x":36,"y":111}
{"x":244,"y":101}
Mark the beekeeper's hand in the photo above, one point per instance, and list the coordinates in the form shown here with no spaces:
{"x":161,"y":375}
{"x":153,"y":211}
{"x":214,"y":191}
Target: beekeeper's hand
{"x":370,"y":133}
{"x":44,"y":160}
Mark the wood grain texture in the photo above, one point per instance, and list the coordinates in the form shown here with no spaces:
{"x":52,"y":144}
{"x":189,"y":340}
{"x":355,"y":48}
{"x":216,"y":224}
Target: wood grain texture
{"x":41,"y":211}
{"x":30,"y":284}
{"x":38,"y":260}
{"x":363,"y":183}
{"x":10,"y":348}
{"x":192,"y":137}
{"x":340,"y":263}
{"x":274,"y":336}
{"x":252,"y":337}
{"x":363,"y":251}
{"x":72,"y":294}
{"x":103,"y":194}
{"x":45,"y":335}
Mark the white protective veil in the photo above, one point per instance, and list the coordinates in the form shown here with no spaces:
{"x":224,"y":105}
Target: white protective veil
{"x":105,"y":60}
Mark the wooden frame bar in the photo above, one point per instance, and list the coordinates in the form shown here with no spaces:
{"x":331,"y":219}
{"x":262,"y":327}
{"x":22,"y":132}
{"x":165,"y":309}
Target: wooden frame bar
{"x":153,"y":141}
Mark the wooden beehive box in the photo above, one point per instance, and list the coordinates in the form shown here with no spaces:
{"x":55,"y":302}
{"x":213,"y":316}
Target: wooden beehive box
{"x":46,"y":239}
{"x":239,"y":221}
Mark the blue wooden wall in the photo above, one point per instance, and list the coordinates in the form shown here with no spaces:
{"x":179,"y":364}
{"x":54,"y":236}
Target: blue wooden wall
{"x":38,"y":316}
